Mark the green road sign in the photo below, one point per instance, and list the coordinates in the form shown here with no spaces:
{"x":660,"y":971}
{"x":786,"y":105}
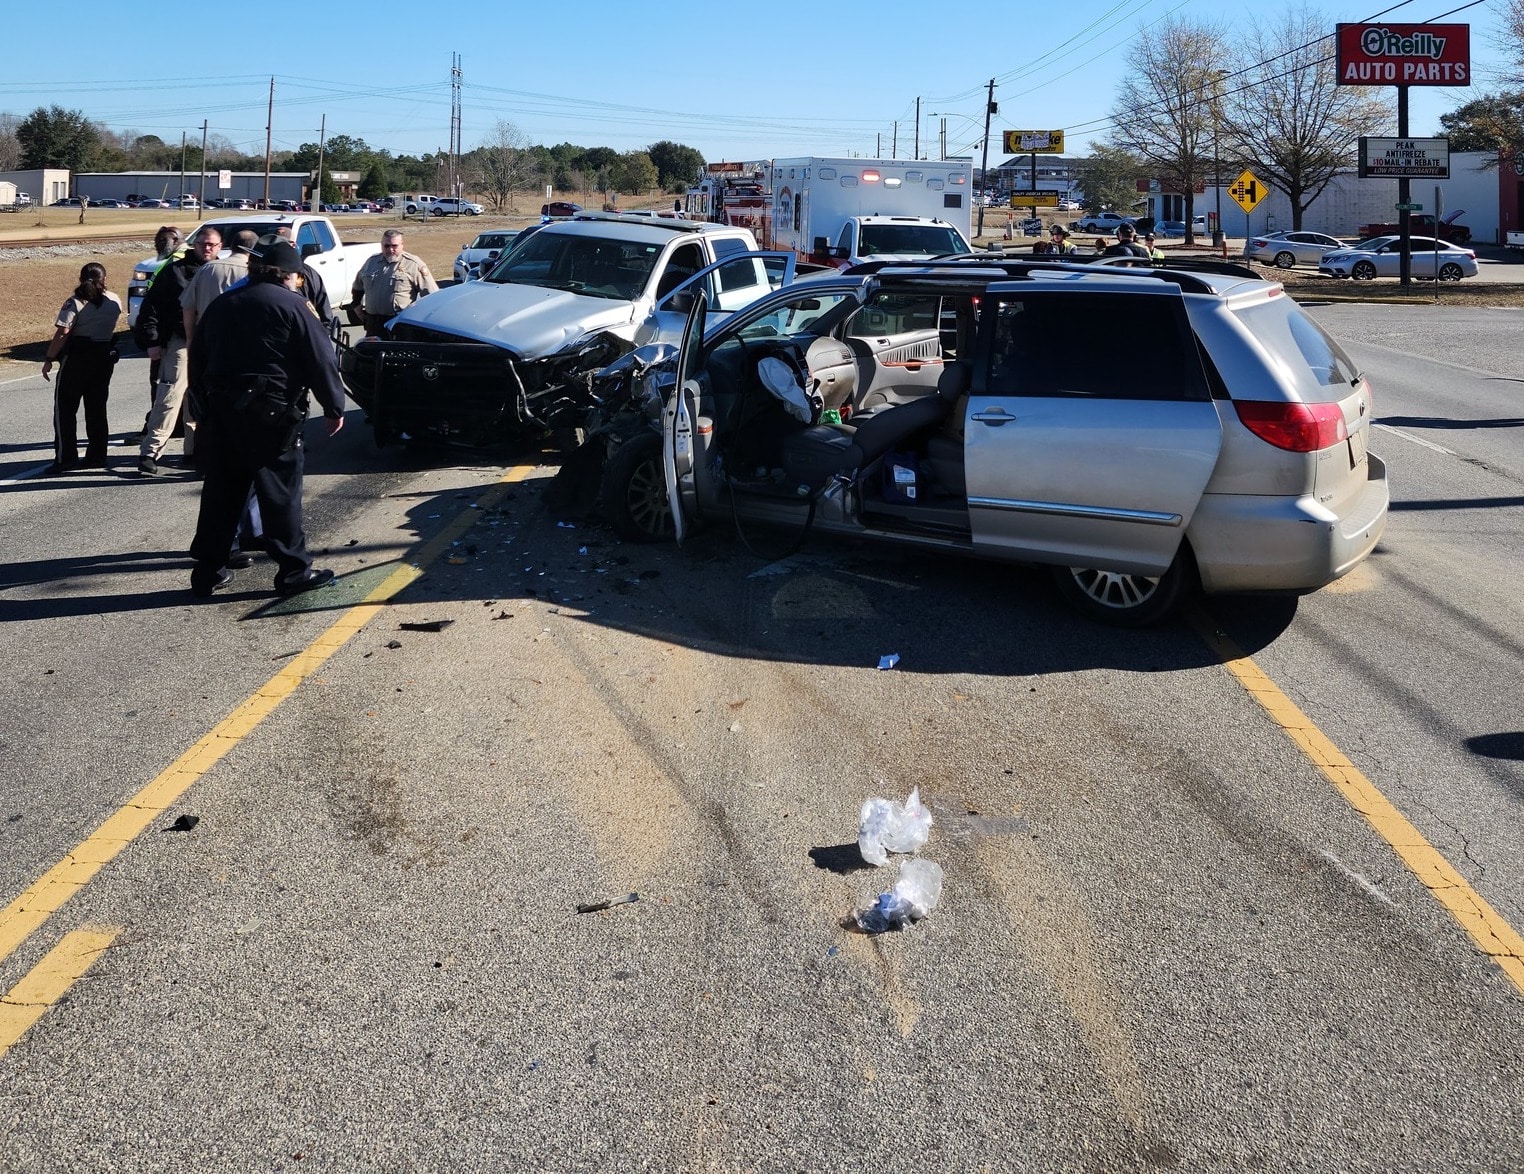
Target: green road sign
{"x":1410,"y":207}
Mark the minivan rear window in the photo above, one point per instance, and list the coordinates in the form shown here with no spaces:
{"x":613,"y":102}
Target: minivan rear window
{"x":1318,"y":367}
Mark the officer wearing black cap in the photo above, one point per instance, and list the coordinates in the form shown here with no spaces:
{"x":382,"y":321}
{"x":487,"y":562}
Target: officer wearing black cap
{"x":257,"y":350}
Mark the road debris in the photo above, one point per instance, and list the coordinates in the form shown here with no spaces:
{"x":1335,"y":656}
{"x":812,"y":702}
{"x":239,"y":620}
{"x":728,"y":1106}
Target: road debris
{"x":600,"y":906}
{"x":888,"y":826}
{"x":915,"y":894}
{"x":424,"y":625}
{"x":184,"y":824}
{"x":888,"y":660}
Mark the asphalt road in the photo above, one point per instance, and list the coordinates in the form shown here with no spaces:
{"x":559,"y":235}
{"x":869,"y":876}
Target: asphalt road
{"x":1165,"y":939}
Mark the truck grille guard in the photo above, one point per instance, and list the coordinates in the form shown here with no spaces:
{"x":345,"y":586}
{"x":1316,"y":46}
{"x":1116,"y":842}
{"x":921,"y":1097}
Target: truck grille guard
{"x":472,"y":392}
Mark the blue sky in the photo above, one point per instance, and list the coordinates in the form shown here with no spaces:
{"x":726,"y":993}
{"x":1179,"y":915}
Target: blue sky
{"x":733,"y":80}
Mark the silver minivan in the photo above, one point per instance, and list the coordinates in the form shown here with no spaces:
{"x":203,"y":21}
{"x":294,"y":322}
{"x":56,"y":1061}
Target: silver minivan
{"x":964,"y":408}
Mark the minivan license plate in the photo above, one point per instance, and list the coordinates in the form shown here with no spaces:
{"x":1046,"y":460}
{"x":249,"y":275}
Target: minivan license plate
{"x":1356,"y":448}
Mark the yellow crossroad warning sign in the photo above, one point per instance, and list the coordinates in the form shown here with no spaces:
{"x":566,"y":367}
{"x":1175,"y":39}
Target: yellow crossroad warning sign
{"x":1248,"y":191}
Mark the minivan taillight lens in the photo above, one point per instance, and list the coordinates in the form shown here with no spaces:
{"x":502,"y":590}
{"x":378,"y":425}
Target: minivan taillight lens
{"x":1293,"y":427}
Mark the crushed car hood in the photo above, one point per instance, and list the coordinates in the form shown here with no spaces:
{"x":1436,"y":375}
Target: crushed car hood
{"x":528,"y":320}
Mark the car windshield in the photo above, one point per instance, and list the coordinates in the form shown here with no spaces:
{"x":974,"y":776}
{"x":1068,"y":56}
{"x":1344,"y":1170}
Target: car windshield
{"x":911,"y":240}
{"x":593,"y":266}
{"x":1371,"y":243}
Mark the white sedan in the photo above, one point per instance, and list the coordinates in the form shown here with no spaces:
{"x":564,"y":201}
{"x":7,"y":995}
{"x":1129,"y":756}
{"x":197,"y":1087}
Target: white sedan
{"x":1381,"y":256}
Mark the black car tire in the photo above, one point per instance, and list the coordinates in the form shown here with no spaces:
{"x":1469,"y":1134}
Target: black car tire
{"x":1364,"y":271}
{"x":1121,"y":600}
{"x":1450,"y":271}
{"x":1285,"y":260}
{"x":632,"y":495}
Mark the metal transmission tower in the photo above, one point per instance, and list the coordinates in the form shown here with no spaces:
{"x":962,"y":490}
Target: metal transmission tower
{"x":454,"y":124}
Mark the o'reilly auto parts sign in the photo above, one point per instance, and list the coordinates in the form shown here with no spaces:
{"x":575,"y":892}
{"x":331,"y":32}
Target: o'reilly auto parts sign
{"x":1404,"y":54}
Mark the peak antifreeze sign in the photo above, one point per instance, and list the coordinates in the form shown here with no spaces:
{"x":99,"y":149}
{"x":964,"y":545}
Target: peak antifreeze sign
{"x":1404,"y":54}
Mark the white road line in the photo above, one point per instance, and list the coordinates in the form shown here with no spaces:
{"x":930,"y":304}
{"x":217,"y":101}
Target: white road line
{"x":1419,"y":440}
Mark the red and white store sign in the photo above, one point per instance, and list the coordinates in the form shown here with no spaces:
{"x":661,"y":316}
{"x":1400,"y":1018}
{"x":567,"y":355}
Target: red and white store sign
{"x":1404,"y":54}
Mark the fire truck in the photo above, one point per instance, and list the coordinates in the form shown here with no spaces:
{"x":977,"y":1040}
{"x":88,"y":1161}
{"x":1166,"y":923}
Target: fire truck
{"x":838,"y":212}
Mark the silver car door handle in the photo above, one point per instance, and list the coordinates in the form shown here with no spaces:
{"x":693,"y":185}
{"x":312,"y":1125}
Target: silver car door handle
{"x":996,"y":416}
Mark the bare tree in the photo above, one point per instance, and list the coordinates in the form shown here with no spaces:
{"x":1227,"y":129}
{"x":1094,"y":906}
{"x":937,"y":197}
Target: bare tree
{"x":505,"y":165}
{"x":1163,"y":110}
{"x":1510,"y":36}
{"x":1284,"y":110}
{"x":10,"y":145}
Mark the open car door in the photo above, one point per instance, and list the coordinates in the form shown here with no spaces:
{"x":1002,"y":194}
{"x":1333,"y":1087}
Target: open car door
{"x":1084,"y":456}
{"x":677,"y":422}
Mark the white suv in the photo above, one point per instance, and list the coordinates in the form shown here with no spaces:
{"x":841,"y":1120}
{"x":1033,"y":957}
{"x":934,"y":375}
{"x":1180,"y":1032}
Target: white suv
{"x":448,"y":206}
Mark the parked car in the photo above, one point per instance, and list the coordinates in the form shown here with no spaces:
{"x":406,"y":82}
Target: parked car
{"x":1381,"y":256}
{"x":484,"y":248}
{"x":1285,"y":249}
{"x":1013,"y":437}
{"x":1068,"y":205}
{"x":1103,"y":222}
{"x":450,"y":206}
{"x":560,"y":208}
{"x":109,"y":204}
{"x":1170,"y":228}
{"x":155,"y":204}
{"x":66,"y":202}
{"x":365,"y":206}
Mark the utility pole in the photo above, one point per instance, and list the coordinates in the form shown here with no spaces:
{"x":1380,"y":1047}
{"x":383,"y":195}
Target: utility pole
{"x":269,"y":123}
{"x":917,"y":154}
{"x":455,"y":75}
{"x":181,"y":192}
{"x":984,"y":166}
{"x":894,"y":141}
{"x":201,"y":194}
{"x":322,"y":137}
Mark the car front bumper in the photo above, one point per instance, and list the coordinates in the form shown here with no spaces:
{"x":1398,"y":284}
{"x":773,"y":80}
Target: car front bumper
{"x":1244,"y":542}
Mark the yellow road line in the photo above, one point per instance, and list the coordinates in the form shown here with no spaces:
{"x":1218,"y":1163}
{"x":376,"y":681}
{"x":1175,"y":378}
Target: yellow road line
{"x":22,"y":917}
{"x":1492,"y":934}
{"x":47,"y":982}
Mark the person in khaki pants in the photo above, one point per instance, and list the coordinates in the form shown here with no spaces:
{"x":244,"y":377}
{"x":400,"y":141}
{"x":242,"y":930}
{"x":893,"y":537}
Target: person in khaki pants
{"x":161,"y":323}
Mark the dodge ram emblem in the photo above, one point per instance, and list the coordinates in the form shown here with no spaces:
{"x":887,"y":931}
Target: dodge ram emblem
{"x":431,"y":372}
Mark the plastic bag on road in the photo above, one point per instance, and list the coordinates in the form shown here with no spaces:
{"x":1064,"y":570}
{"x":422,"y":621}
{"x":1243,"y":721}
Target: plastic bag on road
{"x":915,"y":894}
{"x":887,"y":826}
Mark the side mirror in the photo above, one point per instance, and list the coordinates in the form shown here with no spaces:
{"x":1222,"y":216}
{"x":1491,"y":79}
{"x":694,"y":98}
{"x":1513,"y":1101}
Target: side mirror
{"x":681,"y":302}
{"x":823,"y":245}
{"x":311,"y":249}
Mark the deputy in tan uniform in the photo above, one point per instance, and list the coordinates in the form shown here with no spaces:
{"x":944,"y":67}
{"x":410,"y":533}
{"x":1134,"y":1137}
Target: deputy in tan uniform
{"x":389,"y":283}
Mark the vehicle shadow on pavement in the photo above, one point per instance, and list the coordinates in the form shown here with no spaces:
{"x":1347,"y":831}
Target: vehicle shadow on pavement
{"x":1449,"y":422}
{"x":833,"y":603}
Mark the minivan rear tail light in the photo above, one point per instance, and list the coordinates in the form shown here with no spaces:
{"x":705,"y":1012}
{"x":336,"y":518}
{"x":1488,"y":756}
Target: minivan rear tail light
{"x":1293,"y":427}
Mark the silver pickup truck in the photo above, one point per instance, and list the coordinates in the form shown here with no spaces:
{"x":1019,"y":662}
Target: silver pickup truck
{"x":509,"y":356}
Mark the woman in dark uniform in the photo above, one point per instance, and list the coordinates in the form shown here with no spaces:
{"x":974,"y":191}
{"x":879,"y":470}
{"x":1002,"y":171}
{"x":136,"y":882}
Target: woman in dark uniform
{"x":82,"y":337}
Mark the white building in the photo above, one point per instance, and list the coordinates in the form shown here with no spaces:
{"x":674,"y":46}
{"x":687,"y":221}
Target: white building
{"x":1349,"y":201}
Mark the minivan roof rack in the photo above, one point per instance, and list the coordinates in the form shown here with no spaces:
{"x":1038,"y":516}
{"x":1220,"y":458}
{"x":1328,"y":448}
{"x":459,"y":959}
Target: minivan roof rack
{"x":1182,"y":274}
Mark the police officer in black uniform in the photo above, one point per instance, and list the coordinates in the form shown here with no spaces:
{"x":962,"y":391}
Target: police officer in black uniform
{"x":256,"y":352}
